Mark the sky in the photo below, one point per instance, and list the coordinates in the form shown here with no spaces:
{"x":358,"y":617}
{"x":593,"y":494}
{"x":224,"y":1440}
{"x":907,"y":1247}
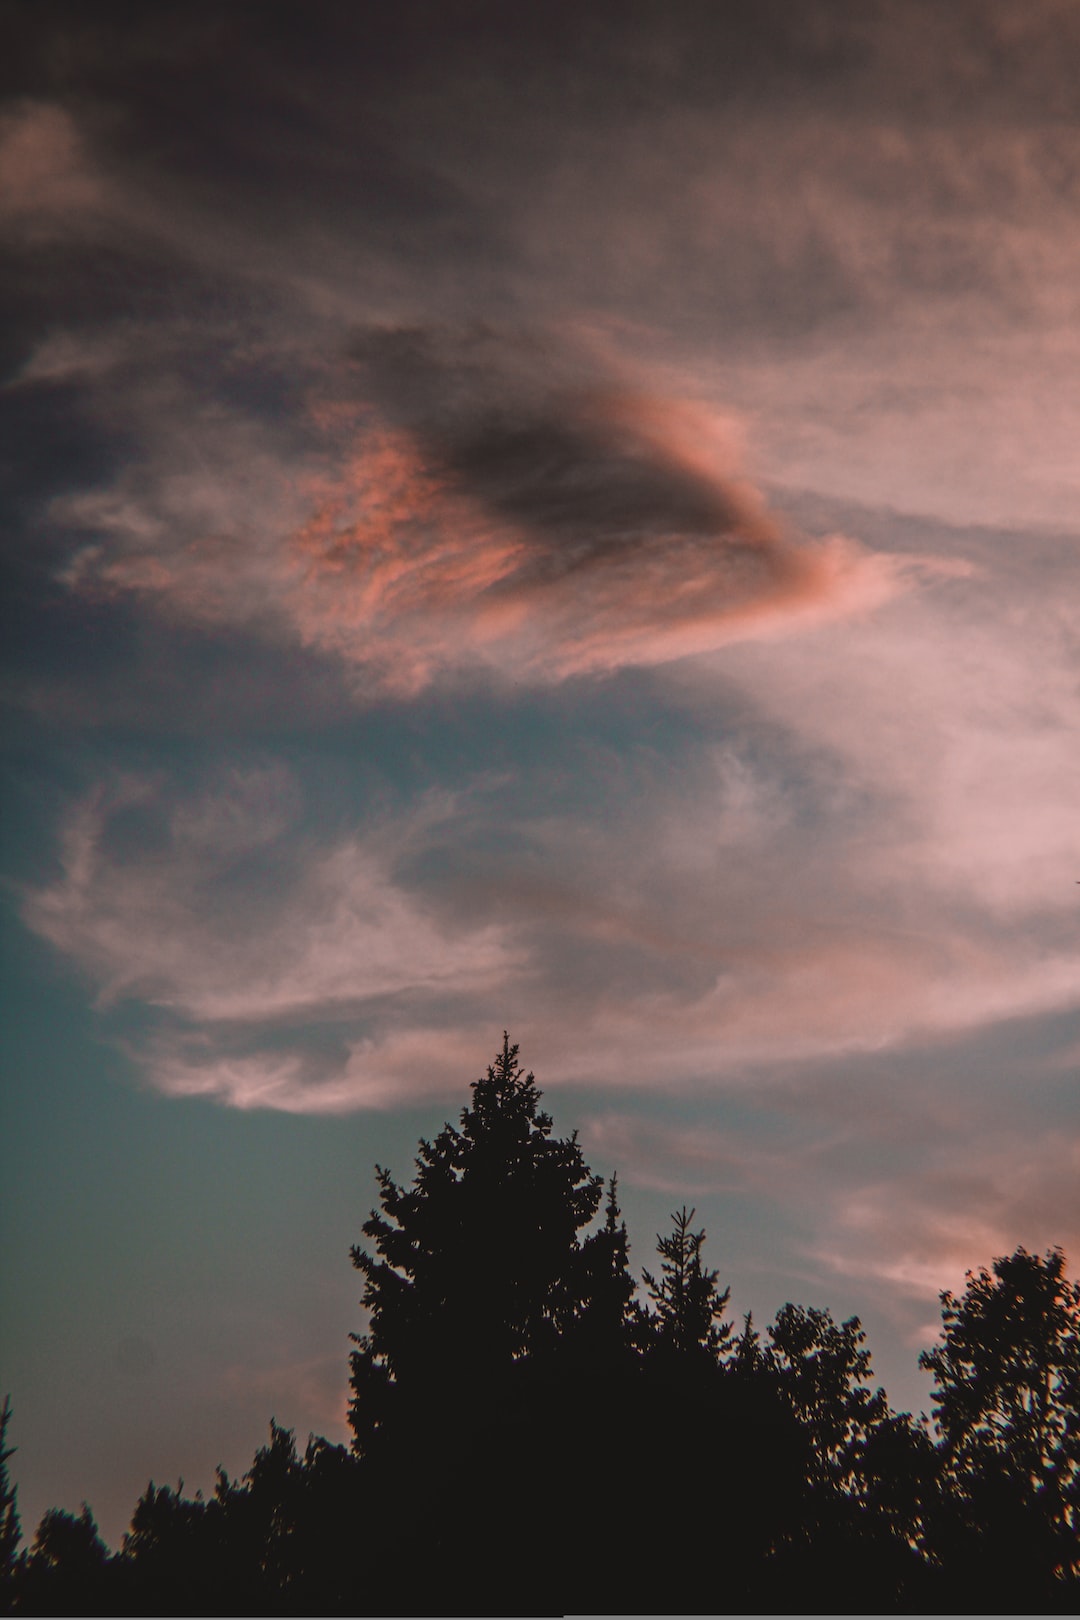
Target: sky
{"x":563,"y":519}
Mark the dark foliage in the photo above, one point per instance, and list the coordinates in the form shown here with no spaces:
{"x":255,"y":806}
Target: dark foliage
{"x":1007,"y":1406}
{"x":687,"y":1321}
{"x":529,"y":1438}
{"x":478,"y":1266}
{"x":10,"y":1529}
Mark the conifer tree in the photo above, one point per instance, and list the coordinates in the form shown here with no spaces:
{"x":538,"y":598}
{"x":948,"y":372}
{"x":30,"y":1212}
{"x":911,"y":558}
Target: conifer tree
{"x":688,"y":1306}
{"x":10,"y":1529}
{"x":609,"y":1322}
{"x":748,"y":1358}
{"x":478,"y":1265}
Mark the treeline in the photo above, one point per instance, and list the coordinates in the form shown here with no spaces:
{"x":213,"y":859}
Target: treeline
{"x":531,"y":1437}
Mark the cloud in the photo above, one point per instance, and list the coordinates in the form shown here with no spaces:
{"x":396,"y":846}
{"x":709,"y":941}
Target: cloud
{"x":397,"y":1066}
{"x":707,"y":916}
{"x":48,"y":183}
{"x":923,"y":1232}
{"x":214,"y":908}
{"x":889,"y":1179}
{"x":958,"y":713}
{"x":312,"y":1386}
{"x":870,"y":843}
{"x":474,"y":518}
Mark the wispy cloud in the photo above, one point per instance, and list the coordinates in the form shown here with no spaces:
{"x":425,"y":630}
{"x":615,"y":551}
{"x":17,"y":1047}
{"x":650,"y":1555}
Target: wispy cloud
{"x":218,"y":910}
{"x":751,"y":904}
{"x":891,"y":1178}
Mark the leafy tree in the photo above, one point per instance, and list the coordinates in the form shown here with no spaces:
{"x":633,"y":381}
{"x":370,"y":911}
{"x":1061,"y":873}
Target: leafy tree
{"x":65,"y":1543}
{"x":823,"y":1372}
{"x":281,"y":1539}
{"x":1007,"y":1406}
{"x":868,"y":1472}
{"x":478,"y":1266}
{"x":687,"y":1305}
{"x":894,"y":1479}
{"x":67,"y":1567}
{"x":172,"y":1552}
{"x":272,"y":1503}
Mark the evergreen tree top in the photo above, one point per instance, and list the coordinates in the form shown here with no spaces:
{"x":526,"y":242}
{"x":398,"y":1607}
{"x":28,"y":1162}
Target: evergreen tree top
{"x":505,"y":1094}
{"x":479,"y":1263}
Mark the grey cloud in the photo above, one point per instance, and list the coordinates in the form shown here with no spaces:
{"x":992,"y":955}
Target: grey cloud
{"x":763,"y":143}
{"x":502,"y":413}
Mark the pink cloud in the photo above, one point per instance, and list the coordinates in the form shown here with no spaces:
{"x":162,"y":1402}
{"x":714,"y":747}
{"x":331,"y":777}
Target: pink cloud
{"x":947,"y":1190}
{"x":47,"y":181}
{"x":407,"y":573}
{"x":398,"y":564}
{"x":977,"y":1193}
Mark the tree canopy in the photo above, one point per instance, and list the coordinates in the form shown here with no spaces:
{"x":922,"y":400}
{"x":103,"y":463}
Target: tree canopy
{"x":527,"y":1431}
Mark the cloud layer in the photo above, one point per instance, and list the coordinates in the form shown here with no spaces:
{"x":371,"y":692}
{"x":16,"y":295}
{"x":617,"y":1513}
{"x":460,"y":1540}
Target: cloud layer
{"x":465,"y":420}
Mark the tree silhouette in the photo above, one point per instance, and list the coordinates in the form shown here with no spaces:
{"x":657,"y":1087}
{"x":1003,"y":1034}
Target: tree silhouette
{"x":747,"y":1356}
{"x":822,"y":1369}
{"x":1007,"y":1405}
{"x":10,"y":1528}
{"x":66,"y":1568}
{"x":609,"y":1322}
{"x":478,"y":1265}
{"x":176,"y":1546}
{"x":688,"y":1306}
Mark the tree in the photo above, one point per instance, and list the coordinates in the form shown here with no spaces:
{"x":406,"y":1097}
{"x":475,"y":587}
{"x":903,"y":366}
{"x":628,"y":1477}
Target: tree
{"x":172,"y":1551}
{"x":10,"y":1529}
{"x":68,"y":1544}
{"x":478,"y":1266}
{"x":1007,"y":1407}
{"x":609,"y":1318}
{"x":868,"y":1472}
{"x":823,"y":1372}
{"x":748,"y":1358}
{"x":688,"y":1306}
{"x":67,"y":1567}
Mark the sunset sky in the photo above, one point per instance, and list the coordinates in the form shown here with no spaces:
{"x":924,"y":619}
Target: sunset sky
{"x":563,"y":518}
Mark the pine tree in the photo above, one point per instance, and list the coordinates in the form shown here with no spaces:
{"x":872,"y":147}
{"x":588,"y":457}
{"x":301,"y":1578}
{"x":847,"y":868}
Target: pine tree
{"x":748,"y":1358}
{"x":688,"y":1306}
{"x":478,"y":1265}
{"x":10,"y":1529}
{"x":609,"y":1319}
